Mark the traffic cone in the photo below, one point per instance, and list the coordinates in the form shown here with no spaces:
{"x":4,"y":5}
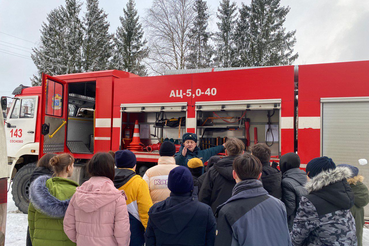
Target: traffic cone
{"x":136,"y":144}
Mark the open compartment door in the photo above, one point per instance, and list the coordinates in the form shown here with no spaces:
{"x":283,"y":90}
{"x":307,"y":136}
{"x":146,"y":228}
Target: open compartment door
{"x":54,"y":115}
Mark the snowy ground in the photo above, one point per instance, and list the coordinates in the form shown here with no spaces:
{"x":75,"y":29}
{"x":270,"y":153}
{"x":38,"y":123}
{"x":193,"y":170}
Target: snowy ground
{"x":16,"y":226}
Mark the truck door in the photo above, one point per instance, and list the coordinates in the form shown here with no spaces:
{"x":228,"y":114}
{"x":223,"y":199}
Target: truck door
{"x":54,"y":115}
{"x":21,"y":123}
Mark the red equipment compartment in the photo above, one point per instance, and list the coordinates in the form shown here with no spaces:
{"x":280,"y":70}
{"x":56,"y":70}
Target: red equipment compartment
{"x":348,"y":79}
{"x":255,"y":84}
{"x":246,"y":84}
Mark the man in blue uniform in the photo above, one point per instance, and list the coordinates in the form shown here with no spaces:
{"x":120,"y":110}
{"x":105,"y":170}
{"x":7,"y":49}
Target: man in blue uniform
{"x":189,"y":150}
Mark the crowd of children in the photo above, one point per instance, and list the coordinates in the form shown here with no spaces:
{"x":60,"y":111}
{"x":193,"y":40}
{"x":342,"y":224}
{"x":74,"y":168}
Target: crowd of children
{"x":239,"y":199}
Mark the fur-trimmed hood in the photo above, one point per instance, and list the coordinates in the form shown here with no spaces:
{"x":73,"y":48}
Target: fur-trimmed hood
{"x":332,"y":187}
{"x":43,"y":201}
{"x":326,"y":178}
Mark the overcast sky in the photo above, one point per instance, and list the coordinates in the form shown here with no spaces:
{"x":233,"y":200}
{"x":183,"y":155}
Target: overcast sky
{"x":327,"y":31}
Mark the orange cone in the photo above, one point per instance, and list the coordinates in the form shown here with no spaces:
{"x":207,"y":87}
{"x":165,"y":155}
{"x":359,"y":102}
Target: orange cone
{"x":136,"y":144}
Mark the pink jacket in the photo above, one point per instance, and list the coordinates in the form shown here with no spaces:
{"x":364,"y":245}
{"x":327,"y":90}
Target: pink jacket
{"x":97,"y":215}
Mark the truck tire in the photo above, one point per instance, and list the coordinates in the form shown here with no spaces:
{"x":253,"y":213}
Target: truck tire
{"x":20,"y":187}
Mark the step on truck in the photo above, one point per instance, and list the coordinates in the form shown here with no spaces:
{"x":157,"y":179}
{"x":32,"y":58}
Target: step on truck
{"x":313,"y":110}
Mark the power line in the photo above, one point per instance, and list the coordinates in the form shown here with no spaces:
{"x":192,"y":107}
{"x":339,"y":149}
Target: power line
{"x":14,"y":54}
{"x":16,"y":45}
{"x":17,"y":37}
{"x":19,"y":49}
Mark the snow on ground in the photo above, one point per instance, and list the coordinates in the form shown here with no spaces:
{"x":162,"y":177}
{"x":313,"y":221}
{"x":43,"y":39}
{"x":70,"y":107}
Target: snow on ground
{"x":16,"y":226}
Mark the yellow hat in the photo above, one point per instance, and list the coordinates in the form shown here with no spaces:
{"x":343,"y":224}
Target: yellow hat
{"x":194,"y":163}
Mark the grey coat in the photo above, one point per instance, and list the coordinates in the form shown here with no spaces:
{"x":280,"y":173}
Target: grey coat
{"x":293,"y":181}
{"x":251,"y":217}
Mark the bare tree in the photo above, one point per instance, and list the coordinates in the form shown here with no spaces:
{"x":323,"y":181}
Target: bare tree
{"x":168,"y":23}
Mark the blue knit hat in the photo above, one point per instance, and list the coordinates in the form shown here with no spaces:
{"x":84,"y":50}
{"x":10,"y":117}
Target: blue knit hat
{"x":189,"y":136}
{"x":354,"y":170}
{"x":180,"y":180}
{"x":125,"y":159}
{"x":318,"y":165}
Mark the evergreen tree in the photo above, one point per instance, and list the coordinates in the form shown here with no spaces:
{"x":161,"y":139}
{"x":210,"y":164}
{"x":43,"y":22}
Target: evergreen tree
{"x":201,"y":51}
{"x":264,"y":41}
{"x":242,"y":36}
{"x":129,"y":43}
{"x":224,"y":39}
{"x":47,"y":56}
{"x":97,"y":43}
{"x":61,"y":41}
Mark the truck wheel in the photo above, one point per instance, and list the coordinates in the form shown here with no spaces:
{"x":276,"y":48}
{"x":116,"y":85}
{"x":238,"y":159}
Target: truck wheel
{"x":20,"y":187}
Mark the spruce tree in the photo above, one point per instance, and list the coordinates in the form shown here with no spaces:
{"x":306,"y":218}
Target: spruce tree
{"x":73,"y":37}
{"x":241,"y":37}
{"x":47,"y":56}
{"x":225,"y":46}
{"x":61,"y":41}
{"x":264,"y":42}
{"x":130,"y":47}
{"x":201,"y":51}
{"x":97,"y":43}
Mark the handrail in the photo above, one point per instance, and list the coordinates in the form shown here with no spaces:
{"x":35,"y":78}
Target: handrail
{"x":52,"y":135}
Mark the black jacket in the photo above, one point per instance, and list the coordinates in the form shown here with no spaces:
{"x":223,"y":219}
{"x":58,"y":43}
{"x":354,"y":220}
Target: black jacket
{"x":39,"y":171}
{"x":196,"y":173}
{"x":252,"y":217}
{"x":292,"y":190}
{"x":200,"y":180}
{"x":271,"y":178}
{"x":324,"y":217}
{"x":218,"y":183}
{"x":180,"y":220}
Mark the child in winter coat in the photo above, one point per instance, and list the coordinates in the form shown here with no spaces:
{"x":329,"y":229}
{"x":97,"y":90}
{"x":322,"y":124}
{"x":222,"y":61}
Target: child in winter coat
{"x":43,"y":167}
{"x":361,"y":199}
{"x":218,"y":183}
{"x":196,"y":168}
{"x":271,"y":177}
{"x":156,"y":177}
{"x":293,"y":181}
{"x":137,"y":192}
{"x":180,"y":219}
{"x":323,"y":216}
{"x":49,"y":201}
{"x":97,"y":213}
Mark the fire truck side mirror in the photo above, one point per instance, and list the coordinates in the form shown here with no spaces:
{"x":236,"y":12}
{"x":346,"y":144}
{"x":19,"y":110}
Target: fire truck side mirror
{"x":4,"y":103}
{"x":45,"y":129}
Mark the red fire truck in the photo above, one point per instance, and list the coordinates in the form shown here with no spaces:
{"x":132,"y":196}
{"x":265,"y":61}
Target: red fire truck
{"x":313,"y":110}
